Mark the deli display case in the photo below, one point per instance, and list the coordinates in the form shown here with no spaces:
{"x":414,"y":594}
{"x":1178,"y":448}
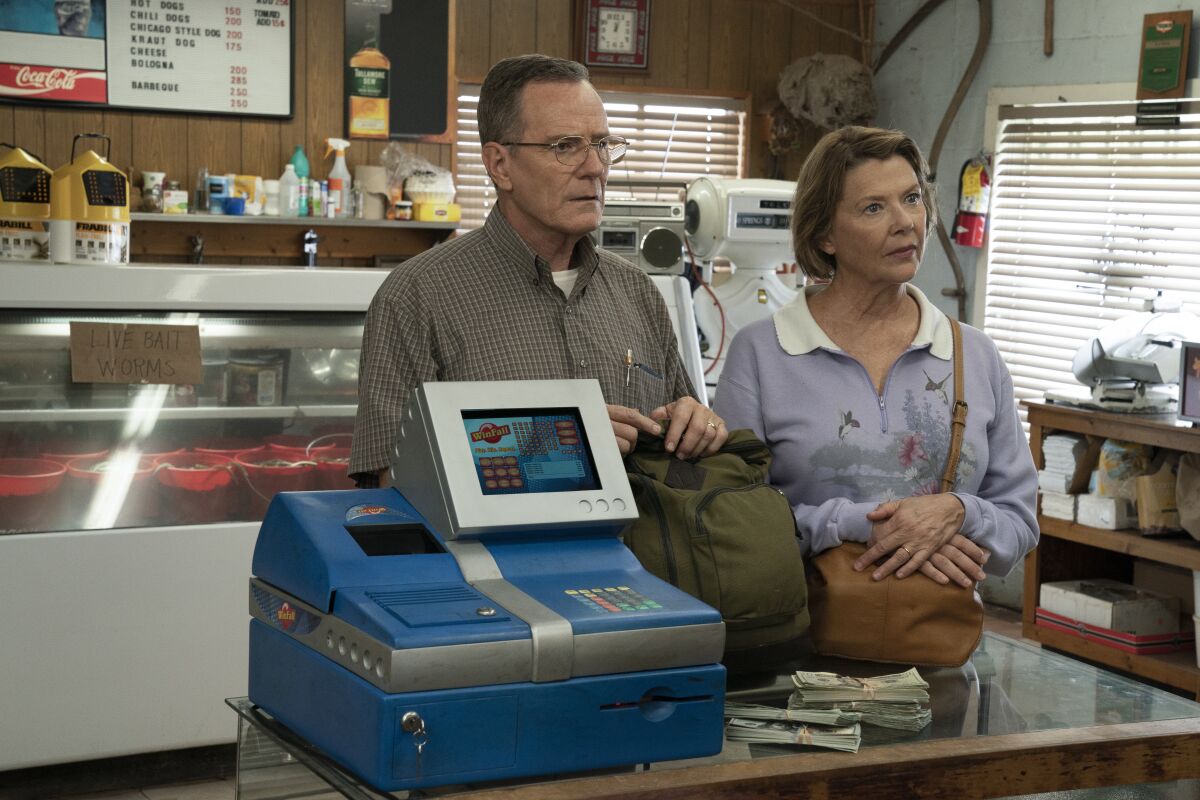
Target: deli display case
{"x":128,"y":511}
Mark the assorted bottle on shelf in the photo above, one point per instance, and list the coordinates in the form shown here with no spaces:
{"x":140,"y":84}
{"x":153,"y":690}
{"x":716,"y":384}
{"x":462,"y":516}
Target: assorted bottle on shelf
{"x":88,"y":481}
{"x":79,"y":213}
{"x":293,"y":194}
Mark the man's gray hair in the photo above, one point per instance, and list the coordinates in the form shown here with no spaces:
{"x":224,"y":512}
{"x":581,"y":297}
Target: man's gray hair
{"x":499,"y":113}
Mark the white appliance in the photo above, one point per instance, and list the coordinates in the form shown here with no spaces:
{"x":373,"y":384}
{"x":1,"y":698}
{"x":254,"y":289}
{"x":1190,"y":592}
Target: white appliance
{"x":1132,"y":364}
{"x":677,"y":293}
{"x":121,"y":640}
{"x":748,"y":222}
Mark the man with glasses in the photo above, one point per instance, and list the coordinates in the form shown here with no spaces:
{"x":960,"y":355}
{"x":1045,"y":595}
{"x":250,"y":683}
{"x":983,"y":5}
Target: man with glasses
{"x":528,"y":295}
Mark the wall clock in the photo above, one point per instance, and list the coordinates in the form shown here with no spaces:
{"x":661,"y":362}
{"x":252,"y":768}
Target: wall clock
{"x":614,"y":33}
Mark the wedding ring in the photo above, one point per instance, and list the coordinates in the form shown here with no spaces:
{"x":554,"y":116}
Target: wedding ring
{"x":904,"y":547}
{"x":712,"y":424}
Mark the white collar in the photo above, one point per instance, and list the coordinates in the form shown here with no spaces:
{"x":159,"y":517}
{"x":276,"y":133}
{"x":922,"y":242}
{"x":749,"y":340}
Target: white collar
{"x":799,"y":333}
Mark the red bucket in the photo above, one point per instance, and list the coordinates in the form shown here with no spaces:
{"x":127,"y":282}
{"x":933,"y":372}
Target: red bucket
{"x":228,"y":446}
{"x":85,"y":477}
{"x":301,"y":446}
{"x":64,"y":450}
{"x":27,"y":493}
{"x":269,"y":470}
{"x":331,"y":469}
{"x":198,"y":488}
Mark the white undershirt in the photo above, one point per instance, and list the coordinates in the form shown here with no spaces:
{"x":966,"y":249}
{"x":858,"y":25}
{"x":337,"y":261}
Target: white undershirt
{"x":565,"y":279}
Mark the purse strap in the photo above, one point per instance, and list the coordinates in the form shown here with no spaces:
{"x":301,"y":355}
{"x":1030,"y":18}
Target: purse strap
{"x":958,"y":422}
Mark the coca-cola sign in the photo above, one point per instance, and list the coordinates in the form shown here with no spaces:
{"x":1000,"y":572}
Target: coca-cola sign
{"x":53,"y":83}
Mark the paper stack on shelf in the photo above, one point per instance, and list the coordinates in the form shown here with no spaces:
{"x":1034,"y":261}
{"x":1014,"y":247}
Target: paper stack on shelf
{"x":1061,"y":454}
{"x":1059,"y":506}
{"x":1055,"y":482}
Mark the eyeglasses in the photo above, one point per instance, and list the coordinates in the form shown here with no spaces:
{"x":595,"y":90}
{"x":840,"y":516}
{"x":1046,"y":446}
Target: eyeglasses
{"x":571,"y":151}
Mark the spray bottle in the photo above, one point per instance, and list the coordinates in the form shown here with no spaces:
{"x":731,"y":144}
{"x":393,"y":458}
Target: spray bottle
{"x":339,"y":178}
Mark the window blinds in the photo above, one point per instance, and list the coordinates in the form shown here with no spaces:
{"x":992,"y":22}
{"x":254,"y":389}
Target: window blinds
{"x":672,"y":139}
{"x":1091,"y":216}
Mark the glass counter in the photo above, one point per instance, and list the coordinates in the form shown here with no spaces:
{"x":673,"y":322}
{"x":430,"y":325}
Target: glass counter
{"x":273,"y":412}
{"x":1012,"y":707}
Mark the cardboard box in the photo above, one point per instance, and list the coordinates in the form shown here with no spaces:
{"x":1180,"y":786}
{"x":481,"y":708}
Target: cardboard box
{"x":1180,"y":641}
{"x":1111,"y":604}
{"x":1167,"y":579}
{"x":1109,"y":513}
{"x":437,"y":212}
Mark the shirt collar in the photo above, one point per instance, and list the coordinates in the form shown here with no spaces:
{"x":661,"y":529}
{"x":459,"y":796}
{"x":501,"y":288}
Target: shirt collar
{"x":798,"y":333}
{"x":585,"y":258}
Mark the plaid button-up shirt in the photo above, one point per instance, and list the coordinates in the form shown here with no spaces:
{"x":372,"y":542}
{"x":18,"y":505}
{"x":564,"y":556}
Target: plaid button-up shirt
{"x":484,"y":306}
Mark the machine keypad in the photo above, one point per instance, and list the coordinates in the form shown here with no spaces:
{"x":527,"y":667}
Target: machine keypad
{"x":612,"y":599}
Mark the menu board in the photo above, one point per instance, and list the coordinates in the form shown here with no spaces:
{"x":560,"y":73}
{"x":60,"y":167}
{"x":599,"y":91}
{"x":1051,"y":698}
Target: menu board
{"x":208,"y":56}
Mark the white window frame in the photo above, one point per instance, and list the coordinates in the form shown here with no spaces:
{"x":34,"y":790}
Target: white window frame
{"x":1034,"y":95}
{"x":1041,"y":95}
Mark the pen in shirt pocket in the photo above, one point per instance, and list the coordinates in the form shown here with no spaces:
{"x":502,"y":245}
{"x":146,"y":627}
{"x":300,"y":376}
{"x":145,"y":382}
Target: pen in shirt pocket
{"x":631,"y":365}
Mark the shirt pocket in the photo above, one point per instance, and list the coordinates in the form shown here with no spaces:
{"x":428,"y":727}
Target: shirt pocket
{"x":645,"y":388}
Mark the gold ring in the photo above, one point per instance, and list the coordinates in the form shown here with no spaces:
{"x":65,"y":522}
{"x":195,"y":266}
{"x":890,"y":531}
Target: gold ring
{"x":904,"y":547}
{"x":712,"y":424}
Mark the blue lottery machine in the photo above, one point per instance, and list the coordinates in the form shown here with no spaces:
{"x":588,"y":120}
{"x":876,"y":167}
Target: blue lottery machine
{"x":482,"y":619}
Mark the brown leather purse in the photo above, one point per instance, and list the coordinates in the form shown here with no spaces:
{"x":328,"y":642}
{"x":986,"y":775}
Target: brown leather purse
{"x":911,"y":621}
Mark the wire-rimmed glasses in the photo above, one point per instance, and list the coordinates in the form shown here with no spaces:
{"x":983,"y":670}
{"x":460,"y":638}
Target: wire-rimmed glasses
{"x":571,"y":151}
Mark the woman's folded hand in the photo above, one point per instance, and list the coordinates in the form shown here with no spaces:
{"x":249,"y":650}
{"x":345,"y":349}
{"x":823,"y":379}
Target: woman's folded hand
{"x":906,"y":533}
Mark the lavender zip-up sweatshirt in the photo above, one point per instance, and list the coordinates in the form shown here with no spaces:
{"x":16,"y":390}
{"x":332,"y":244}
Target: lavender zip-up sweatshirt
{"x":840,"y":449}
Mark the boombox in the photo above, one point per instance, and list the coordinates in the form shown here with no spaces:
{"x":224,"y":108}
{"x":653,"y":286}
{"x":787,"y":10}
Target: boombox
{"x":646,"y":233}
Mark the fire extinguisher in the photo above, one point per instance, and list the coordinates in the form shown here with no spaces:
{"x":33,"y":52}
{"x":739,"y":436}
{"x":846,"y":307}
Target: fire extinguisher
{"x":974,"y":189}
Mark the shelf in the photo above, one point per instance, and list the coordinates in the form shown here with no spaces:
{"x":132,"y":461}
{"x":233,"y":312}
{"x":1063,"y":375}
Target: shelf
{"x":1159,"y":430}
{"x":385,"y":242}
{"x":350,"y":222}
{"x":187,"y":287}
{"x":1179,"y":552}
{"x":197,"y":413}
{"x":1174,"y":669}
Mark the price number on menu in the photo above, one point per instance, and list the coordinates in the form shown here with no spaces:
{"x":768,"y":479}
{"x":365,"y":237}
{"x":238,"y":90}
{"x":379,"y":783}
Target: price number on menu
{"x":239,"y":87}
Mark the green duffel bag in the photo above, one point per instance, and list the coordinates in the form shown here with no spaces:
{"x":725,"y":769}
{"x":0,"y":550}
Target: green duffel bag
{"x":714,"y":528}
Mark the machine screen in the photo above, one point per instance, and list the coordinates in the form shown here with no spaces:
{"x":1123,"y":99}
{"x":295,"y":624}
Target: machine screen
{"x":1189,"y":383}
{"x":784,"y":205}
{"x":771,"y":221}
{"x":528,"y":451}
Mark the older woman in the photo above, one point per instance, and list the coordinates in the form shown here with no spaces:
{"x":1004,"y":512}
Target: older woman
{"x":851,"y":385}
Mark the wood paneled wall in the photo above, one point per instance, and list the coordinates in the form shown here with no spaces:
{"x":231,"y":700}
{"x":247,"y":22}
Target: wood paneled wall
{"x":696,"y":45}
{"x":717,"y":46}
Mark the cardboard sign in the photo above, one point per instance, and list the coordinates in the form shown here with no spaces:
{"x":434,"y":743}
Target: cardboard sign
{"x":1162,"y":67}
{"x":103,"y":352}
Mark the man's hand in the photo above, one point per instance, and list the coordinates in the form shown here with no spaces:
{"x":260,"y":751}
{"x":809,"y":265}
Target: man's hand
{"x":626,"y":423}
{"x":693,"y":430}
{"x":909,"y":531}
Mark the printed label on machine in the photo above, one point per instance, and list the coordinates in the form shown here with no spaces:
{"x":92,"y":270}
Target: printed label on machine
{"x":24,"y":240}
{"x":101,"y":244}
{"x":530,"y":451}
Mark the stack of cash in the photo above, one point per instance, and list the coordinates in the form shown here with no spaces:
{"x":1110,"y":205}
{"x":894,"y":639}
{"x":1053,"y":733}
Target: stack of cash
{"x":812,"y":716}
{"x":764,"y":731}
{"x":890,"y":701}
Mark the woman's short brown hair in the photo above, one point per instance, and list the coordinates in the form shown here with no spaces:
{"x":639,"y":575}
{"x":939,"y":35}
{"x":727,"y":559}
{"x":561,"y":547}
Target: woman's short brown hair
{"x":819,"y":187}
